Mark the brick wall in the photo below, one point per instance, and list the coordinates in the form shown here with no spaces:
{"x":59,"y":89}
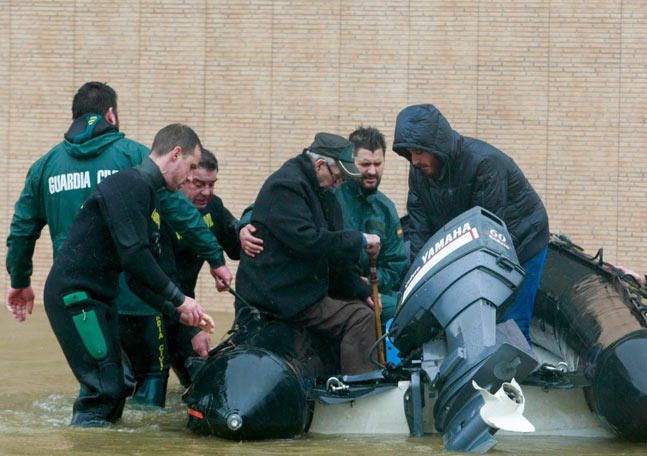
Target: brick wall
{"x":558,"y":85}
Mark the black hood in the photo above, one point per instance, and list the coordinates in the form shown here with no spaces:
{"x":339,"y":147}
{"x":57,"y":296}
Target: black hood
{"x":88,"y":127}
{"x":423,"y":127}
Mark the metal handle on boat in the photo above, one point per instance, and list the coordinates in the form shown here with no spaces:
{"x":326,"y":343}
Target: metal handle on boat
{"x":334,"y":385}
{"x":560,"y":367}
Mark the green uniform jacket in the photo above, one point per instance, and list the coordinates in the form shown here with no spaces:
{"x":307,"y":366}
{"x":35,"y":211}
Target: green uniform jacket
{"x":376,"y":214}
{"x":60,"y":181}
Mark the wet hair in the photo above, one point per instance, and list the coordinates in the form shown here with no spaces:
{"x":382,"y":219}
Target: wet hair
{"x":173,"y":135}
{"x":93,"y":98}
{"x":368,"y":138}
{"x":208,"y":161}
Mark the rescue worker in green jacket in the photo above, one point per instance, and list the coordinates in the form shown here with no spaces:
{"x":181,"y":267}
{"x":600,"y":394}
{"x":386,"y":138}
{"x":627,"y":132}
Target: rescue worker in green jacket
{"x":368,"y":210}
{"x":58,"y":183}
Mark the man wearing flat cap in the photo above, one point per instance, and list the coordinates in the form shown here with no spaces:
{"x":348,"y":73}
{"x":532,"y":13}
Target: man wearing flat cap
{"x":308,"y":272}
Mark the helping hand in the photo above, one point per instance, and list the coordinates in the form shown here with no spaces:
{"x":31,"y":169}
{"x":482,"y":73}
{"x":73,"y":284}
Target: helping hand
{"x":20,"y":300}
{"x":250,"y":244}
{"x":192,"y":314}
{"x":201,"y":344}
{"x":223,"y":278}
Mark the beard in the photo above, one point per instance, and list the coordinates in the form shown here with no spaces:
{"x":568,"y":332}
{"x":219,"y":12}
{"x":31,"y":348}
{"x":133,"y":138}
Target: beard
{"x":369,"y":190}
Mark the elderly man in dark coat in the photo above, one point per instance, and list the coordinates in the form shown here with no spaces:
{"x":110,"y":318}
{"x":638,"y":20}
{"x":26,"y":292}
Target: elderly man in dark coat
{"x":308,"y":272}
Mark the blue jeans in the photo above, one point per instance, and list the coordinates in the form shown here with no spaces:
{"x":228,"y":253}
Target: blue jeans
{"x":521,"y":309}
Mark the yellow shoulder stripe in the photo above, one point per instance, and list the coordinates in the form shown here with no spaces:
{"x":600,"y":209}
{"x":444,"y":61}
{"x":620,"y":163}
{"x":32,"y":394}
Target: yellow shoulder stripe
{"x":208,"y":220}
{"x":156,"y":218}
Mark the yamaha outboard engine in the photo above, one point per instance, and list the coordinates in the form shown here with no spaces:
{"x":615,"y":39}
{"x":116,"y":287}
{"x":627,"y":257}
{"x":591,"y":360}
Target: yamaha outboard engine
{"x":462,"y":280}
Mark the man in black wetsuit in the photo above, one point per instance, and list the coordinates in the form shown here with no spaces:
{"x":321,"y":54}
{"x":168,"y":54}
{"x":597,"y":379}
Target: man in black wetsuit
{"x":176,"y":342}
{"x":117,"y":230}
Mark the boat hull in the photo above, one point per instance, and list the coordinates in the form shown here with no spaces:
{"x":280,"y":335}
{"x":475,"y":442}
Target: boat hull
{"x":554,"y":412}
{"x":586,"y":314}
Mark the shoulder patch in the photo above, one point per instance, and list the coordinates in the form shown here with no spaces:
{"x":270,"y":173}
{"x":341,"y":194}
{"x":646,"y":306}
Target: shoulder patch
{"x":208,"y":219}
{"x":156,"y":218}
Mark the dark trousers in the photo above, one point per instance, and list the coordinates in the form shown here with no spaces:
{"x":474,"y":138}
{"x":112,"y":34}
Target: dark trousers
{"x":144,"y":340}
{"x":352,"y":323}
{"x":88,"y":333}
{"x":180,"y":349}
{"x":155,"y":344}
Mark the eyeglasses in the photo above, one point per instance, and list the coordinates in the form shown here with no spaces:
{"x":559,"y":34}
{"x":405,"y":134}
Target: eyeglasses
{"x":336,"y":178}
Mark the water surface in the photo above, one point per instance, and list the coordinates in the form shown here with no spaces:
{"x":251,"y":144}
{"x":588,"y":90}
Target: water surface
{"x":37,"y":390}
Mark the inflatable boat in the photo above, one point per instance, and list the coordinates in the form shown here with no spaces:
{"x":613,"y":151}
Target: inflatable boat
{"x":457,"y":372}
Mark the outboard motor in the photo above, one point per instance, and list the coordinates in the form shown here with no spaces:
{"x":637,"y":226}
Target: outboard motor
{"x":462,"y":280}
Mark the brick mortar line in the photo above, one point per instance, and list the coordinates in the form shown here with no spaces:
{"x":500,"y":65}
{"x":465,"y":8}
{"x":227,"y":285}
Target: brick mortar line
{"x":204,"y":65}
{"x":619,"y":128}
{"x":271,"y":119}
{"x":339,"y":50}
{"x":74,"y":35}
{"x":7,"y":202}
{"x":139,"y":68}
{"x":408,"y":51}
{"x":548,"y":92}
{"x":478,"y":68}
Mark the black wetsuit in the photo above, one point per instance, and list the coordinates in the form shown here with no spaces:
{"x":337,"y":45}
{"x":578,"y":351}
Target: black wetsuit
{"x":188,"y":264}
{"x":116,"y":230}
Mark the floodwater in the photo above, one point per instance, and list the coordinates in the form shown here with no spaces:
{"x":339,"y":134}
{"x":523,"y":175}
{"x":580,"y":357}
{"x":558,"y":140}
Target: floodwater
{"x":37,"y":390}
